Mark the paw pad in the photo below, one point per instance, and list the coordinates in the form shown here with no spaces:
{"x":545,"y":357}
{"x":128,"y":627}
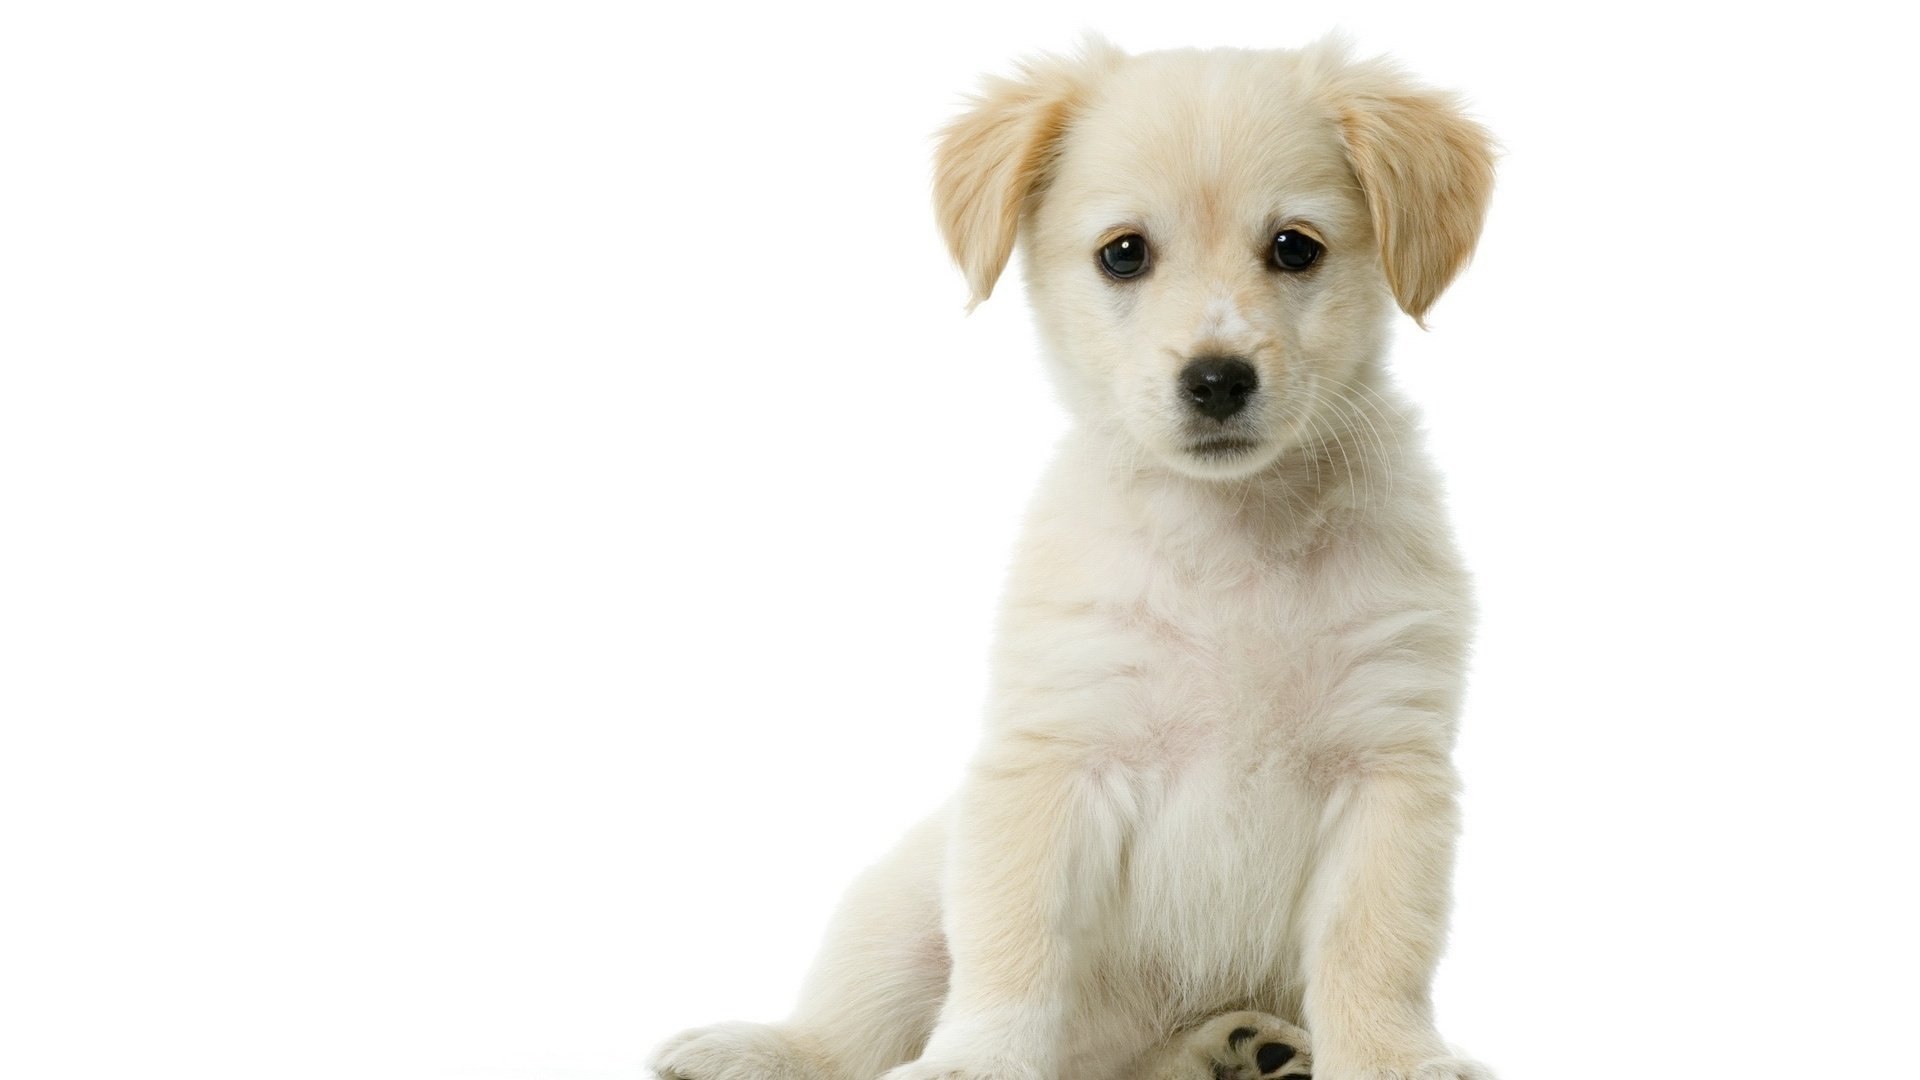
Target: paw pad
{"x":1249,"y":1046}
{"x":1271,"y":1056}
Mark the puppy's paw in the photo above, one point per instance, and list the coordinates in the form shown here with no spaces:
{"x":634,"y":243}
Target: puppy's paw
{"x":1239,"y":1046}
{"x":735,"y":1051}
{"x":1451,"y":1068}
{"x":945,"y":1069}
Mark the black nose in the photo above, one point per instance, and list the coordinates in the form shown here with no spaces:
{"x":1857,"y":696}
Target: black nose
{"x":1219,"y":386}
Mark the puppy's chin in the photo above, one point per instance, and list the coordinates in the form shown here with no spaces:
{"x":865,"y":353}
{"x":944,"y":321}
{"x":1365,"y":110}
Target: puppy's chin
{"x":1221,"y":457}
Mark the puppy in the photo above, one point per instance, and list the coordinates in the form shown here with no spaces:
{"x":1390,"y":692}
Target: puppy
{"x":1214,"y":796}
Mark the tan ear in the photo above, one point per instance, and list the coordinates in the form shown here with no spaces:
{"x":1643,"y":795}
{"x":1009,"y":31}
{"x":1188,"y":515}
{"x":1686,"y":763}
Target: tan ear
{"x":994,"y":157}
{"x":1427,"y":171}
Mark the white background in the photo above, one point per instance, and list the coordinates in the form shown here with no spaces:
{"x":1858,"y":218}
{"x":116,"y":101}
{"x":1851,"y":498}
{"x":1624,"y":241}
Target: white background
{"x":500,"y":515}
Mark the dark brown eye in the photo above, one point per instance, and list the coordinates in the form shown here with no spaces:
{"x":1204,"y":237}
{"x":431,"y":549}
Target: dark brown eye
{"x":1125,"y":256}
{"x":1295,"y":250}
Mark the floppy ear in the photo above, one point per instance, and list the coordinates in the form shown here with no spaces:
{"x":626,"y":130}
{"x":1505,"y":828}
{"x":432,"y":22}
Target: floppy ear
{"x":994,"y":157}
{"x":1427,"y":172}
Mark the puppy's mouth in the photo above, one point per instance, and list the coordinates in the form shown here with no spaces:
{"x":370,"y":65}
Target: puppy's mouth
{"x":1222,"y":448}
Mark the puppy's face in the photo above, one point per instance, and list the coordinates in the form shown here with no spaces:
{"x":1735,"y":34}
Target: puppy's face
{"x":1201,"y":260}
{"x":1207,"y":261}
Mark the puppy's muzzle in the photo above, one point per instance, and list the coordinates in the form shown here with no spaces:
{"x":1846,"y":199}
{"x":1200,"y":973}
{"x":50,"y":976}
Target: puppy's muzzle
{"x":1218,"y":386}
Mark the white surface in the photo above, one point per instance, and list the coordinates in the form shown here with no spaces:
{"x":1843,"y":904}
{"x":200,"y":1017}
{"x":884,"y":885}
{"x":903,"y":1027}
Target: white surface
{"x":412,"y":665}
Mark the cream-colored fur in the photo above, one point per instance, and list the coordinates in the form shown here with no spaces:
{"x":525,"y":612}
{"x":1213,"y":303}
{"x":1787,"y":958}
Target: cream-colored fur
{"x":1214,"y":787}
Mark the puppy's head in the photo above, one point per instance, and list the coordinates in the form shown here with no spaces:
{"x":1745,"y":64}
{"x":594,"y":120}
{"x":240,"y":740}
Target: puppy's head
{"x":1213,"y":240}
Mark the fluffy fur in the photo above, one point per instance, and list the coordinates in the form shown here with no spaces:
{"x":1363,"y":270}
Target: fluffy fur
{"x":1214,"y":787}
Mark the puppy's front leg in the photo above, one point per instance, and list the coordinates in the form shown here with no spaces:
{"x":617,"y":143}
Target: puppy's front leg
{"x":1378,"y":923}
{"x":1031,"y":868}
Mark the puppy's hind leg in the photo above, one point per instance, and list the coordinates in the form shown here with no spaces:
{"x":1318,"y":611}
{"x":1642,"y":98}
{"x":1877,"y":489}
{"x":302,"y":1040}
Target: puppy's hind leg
{"x":872,"y":996}
{"x":1235,"y":1046}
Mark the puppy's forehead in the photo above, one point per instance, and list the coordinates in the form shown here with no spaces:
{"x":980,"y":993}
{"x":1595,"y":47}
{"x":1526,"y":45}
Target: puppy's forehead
{"x":1234,"y":134}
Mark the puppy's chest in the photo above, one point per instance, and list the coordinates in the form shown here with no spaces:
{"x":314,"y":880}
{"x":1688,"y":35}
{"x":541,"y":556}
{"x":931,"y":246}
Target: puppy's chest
{"x":1240,"y":697}
{"x":1238,"y":676}
{"x":1236,"y":684}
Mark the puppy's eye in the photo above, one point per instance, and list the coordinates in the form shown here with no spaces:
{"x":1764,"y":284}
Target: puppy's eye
{"x":1125,"y":256}
{"x":1295,"y":250}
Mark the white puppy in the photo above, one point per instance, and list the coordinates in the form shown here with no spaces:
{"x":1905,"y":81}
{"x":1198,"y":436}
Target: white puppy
{"x":1214,"y":787}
